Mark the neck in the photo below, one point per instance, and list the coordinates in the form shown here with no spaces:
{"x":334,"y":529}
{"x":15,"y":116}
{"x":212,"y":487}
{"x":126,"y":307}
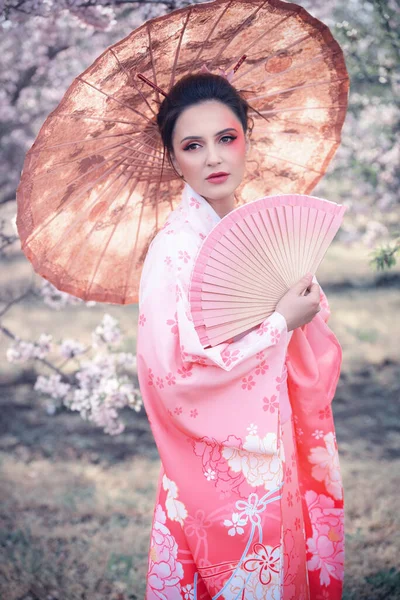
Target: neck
{"x":223,"y":206}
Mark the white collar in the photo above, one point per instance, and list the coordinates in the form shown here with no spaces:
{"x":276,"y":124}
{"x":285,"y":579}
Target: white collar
{"x":189,"y":192}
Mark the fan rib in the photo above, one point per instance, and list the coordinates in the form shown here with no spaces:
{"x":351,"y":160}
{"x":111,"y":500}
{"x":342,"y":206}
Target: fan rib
{"x":293,"y":231}
{"x":224,"y":256}
{"x":217,"y":261}
{"x":232,"y":243}
{"x":223,"y":275}
{"x":226,"y":333}
{"x":256,"y":313}
{"x":272,"y":227}
{"x":269,"y":268}
{"x":269,"y":248}
{"x":217,"y":282}
{"x":265,"y":271}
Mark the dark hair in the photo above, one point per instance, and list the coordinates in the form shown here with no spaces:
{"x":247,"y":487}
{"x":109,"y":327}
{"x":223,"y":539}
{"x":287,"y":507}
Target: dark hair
{"x":193,"y":89}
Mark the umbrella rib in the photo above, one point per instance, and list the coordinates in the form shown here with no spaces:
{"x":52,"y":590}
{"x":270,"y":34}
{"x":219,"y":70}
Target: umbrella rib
{"x":264,"y":60}
{"x":131,"y":80}
{"x":96,"y":166}
{"x":99,"y":151}
{"x":280,"y":110}
{"x":80,"y":157}
{"x":146,"y":153}
{"x":298,"y":87}
{"x":133,"y":251}
{"x":303,"y":135}
{"x":90,"y":117}
{"x":152,"y":62}
{"x":111,"y":97}
{"x":212,"y":31}
{"x":233,"y":36}
{"x":135,"y":143}
{"x":103,"y":137}
{"x":189,"y":12}
{"x":82,"y":215}
{"x":260,"y":37}
{"x":272,"y":76}
{"x":137,"y":232}
{"x":290,"y":162}
{"x":55,"y":215}
{"x":103,"y":251}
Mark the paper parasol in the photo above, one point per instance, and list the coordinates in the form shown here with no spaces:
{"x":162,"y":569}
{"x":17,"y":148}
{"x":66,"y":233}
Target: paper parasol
{"x":90,"y":198}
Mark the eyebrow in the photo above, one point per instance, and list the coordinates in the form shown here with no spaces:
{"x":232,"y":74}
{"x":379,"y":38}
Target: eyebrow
{"x":198,"y":137}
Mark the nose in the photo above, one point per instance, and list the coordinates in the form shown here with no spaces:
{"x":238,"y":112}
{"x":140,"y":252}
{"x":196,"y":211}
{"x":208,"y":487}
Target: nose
{"x":213,"y":156}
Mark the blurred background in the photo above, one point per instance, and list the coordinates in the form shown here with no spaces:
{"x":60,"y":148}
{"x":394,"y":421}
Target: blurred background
{"x":78,"y":462}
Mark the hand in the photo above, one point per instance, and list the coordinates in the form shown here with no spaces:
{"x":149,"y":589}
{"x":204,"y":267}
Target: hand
{"x":299,"y":309}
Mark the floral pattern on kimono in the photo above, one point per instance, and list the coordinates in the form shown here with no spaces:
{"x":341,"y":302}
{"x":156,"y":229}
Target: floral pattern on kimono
{"x":249,"y":501}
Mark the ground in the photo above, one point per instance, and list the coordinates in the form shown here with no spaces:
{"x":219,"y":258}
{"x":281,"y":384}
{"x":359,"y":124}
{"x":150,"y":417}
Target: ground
{"x":76,"y":504}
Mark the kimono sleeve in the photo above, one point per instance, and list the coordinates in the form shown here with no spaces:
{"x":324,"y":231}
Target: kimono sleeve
{"x":173,"y":282}
{"x":325,"y":311}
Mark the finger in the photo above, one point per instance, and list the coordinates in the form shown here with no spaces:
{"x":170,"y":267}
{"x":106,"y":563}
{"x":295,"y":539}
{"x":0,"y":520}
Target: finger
{"x":314,"y":290}
{"x":302,"y":284}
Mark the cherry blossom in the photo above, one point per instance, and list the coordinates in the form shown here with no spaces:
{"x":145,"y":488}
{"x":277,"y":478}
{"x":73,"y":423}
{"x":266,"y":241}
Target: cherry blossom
{"x":210,"y":474}
{"x":266,"y":562}
{"x":326,"y":466}
{"x":248,"y":382}
{"x":171,"y":380}
{"x":235,"y":525}
{"x":271,"y":404}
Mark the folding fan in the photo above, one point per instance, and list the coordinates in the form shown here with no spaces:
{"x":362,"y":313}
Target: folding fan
{"x":253,"y":256}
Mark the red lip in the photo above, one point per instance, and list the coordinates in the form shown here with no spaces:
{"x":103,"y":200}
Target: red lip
{"x":220,"y":173}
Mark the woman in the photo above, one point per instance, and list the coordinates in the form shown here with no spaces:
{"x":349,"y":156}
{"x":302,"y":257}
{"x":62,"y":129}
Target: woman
{"x":249,"y":501}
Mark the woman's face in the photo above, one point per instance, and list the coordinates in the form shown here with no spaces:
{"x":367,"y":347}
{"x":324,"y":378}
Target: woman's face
{"x":209,"y":138}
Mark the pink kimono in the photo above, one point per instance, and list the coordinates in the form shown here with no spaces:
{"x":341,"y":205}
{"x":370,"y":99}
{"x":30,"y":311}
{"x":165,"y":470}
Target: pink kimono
{"x":250,"y":500}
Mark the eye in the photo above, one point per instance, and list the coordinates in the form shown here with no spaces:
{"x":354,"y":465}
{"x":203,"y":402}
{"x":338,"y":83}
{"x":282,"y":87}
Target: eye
{"x":190,"y":145}
{"x":230,"y":137}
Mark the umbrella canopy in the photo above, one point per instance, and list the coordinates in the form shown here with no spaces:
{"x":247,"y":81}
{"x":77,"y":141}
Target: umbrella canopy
{"x":91,"y":196}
